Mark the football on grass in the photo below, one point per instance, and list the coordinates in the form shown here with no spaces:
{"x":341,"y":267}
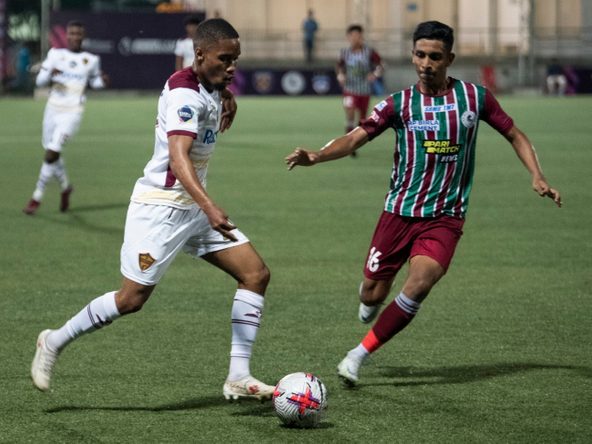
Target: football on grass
{"x":300,"y":400}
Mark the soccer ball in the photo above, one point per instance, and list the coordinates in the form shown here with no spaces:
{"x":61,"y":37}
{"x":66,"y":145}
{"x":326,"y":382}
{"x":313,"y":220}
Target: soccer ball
{"x":300,"y":400}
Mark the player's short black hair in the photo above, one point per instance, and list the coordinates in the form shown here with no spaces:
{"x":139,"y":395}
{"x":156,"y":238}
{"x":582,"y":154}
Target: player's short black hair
{"x":354,"y":28}
{"x":192,"y":20}
{"x":212,"y":30}
{"x":434,"y":30}
{"x":75,"y":24}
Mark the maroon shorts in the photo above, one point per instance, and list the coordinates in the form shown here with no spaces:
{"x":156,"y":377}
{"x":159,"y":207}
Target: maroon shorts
{"x":398,"y":238}
{"x":360,"y":103}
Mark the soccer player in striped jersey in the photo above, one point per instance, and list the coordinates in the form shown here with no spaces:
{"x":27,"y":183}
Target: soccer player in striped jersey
{"x":68,"y":71}
{"x":358,"y":66}
{"x":435,"y":123}
{"x":171,"y":211}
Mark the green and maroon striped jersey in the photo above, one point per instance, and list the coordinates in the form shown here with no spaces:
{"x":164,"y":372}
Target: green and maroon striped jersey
{"x":434,"y":157}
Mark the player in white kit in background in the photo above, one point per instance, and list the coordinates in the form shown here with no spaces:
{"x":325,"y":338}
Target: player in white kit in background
{"x":68,"y":71}
{"x":184,"y":53}
{"x":171,"y":211}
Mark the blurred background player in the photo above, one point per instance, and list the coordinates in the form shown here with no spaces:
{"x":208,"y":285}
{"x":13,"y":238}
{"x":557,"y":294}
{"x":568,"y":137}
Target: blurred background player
{"x":556,"y":80}
{"x":309,"y":29}
{"x":435,"y":123}
{"x":358,"y":67}
{"x":68,"y":71}
{"x":171,"y":211}
{"x":184,"y":52}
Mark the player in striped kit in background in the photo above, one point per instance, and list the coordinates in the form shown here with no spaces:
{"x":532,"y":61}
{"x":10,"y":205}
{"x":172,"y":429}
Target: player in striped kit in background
{"x":436,"y":123}
{"x":68,"y":71}
{"x":358,"y":67}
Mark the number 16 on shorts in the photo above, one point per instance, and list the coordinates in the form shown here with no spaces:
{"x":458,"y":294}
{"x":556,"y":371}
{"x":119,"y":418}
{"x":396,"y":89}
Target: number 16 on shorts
{"x":373,"y":260}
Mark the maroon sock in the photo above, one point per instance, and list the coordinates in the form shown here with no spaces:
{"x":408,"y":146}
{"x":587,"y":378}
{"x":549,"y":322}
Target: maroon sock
{"x":391,"y":321}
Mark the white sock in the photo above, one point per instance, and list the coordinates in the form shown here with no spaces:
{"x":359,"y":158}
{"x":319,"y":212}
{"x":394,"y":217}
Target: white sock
{"x":99,"y":313}
{"x":246,"y":317}
{"x":60,"y":173}
{"x":359,"y":353}
{"x":45,"y":175}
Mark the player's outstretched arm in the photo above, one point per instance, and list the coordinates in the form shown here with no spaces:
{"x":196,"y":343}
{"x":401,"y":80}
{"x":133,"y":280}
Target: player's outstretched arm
{"x":335,"y":149}
{"x":527,"y":155}
{"x":182,"y":168}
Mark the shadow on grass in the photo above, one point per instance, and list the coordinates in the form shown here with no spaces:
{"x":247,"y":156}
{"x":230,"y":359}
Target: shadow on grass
{"x":74,"y":217}
{"x":466,"y":373}
{"x":189,"y":404}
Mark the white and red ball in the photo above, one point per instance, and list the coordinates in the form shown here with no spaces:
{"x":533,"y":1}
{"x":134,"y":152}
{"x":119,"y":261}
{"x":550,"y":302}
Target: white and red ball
{"x":300,"y":400}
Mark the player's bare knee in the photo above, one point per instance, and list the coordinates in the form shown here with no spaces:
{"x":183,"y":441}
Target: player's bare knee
{"x":51,"y":156}
{"x":131,"y":302}
{"x":373,"y":296}
{"x":257,"y":279}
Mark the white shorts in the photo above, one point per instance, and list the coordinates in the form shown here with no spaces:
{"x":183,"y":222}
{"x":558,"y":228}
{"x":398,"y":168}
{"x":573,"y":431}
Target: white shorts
{"x":58,"y":127}
{"x":154,"y":234}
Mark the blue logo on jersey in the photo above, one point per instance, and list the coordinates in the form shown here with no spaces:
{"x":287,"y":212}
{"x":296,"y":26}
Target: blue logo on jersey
{"x":185,"y":113}
{"x":209,"y":137}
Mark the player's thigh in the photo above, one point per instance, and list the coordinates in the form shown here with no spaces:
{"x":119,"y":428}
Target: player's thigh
{"x":48,"y":127}
{"x":65,"y":126}
{"x":390,"y":247}
{"x":437,"y":238}
{"x":154,"y":235}
{"x":242,"y":262}
{"x":362,"y":104}
{"x":424,"y":272}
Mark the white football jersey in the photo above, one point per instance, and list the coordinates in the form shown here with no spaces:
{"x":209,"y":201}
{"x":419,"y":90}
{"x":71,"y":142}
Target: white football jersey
{"x":184,"y":48}
{"x":78,"y":69}
{"x":184,"y":108}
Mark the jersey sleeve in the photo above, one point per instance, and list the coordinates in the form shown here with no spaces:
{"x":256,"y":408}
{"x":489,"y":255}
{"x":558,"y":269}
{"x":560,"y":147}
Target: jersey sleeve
{"x":381,"y":118}
{"x":375,"y":58}
{"x":184,"y":107}
{"x":494,"y":114}
{"x":95,"y":79}
{"x":179,"y":48}
{"x":44,"y":76}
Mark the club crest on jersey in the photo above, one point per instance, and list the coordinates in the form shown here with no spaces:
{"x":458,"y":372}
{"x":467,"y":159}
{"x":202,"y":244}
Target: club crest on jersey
{"x":185,"y":113}
{"x":85,"y":61}
{"x":468,"y":119}
{"x":145,"y":261}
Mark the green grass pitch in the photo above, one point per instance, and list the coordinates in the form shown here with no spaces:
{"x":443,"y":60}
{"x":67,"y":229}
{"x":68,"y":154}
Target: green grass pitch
{"x":500,"y":352}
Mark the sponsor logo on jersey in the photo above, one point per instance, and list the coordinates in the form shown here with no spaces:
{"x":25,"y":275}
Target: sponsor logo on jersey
{"x":445,"y":151}
{"x":439,"y":108}
{"x":185,"y":113}
{"x":145,"y":261}
{"x":380,"y":106}
{"x":209,"y":137}
{"x":423,"y":125}
{"x":468,"y":119}
{"x":374,"y":116}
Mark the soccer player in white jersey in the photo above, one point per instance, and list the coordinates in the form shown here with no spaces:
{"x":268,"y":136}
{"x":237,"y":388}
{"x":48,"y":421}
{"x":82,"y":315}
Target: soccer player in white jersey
{"x":171,"y":211}
{"x":68,"y":71}
{"x":435,"y":123}
{"x":184,"y":47}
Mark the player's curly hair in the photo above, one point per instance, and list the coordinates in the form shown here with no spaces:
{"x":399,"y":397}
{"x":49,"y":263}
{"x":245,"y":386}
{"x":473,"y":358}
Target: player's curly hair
{"x":434,"y":30}
{"x":213,"y":30}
